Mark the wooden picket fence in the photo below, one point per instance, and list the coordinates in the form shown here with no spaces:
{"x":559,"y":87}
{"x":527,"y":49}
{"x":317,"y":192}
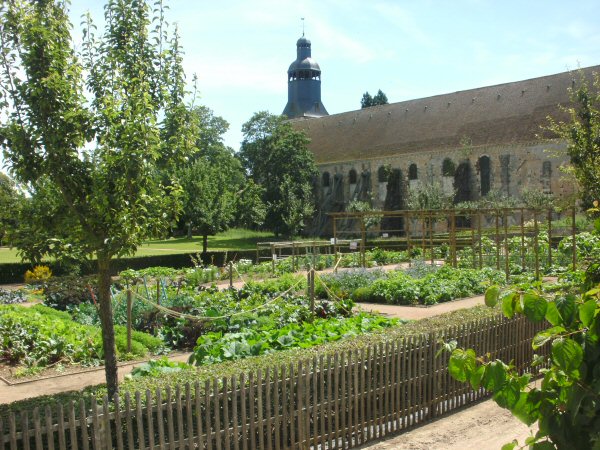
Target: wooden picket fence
{"x":335,"y":401}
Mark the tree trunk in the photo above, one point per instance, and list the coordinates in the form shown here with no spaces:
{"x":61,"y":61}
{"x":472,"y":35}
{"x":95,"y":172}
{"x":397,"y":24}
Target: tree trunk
{"x":189,"y":230}
{"x":108,"y":329}
{"x":204,"y":244}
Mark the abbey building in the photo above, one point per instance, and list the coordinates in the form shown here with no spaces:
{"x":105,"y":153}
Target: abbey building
{"x":470,"y":141}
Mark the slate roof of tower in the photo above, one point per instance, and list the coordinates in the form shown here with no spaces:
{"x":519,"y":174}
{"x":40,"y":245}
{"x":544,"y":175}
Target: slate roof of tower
{"x":502,"y":114}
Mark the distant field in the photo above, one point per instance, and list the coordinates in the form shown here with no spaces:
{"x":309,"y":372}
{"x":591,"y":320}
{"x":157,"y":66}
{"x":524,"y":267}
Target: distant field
{"x":236,"y":239}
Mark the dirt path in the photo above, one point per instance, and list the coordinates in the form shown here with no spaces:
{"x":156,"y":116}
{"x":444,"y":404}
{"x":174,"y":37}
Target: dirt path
{"x":484,"y":426}
{"x":67,"y":382}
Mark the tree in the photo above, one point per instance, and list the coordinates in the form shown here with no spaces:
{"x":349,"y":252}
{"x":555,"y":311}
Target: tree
{"x":92,"y":145}
{"x":379,"y":99}
{"x":429,"y":196}
{"x":216,"y":191}
{"x":11,"y":201}
{"x":210,"y":185}
{"x":582,"y":135}
{"x":366,"y":100}
{"x":277,"y":158}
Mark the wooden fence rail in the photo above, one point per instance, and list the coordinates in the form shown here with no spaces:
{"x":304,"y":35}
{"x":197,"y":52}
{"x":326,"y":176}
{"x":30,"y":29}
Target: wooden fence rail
{"x":335,"y":401}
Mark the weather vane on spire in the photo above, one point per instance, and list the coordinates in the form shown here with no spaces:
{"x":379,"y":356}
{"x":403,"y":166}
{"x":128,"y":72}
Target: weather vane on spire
{"x":302,"y":19}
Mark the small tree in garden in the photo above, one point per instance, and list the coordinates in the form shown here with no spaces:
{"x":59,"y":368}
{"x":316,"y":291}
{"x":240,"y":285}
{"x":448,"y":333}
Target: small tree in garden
{"x":277,"y":158}
{"x":210,"y":185}
{"x":566,"y":404}
{"x":582,"y":135}
{"x":11,"y":202}
{"x":91,"y":147}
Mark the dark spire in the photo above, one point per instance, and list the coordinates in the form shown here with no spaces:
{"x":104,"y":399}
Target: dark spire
{"x":304,"y":84}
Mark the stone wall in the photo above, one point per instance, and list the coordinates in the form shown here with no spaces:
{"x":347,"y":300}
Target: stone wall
{"x":512,"y":168}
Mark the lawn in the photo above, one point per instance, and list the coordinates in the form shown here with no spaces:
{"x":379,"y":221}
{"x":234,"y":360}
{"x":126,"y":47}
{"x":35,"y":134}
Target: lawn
{"x":234,"y":239}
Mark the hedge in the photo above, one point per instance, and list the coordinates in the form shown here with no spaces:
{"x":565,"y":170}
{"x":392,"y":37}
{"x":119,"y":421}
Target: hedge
{"x":14,"y":272}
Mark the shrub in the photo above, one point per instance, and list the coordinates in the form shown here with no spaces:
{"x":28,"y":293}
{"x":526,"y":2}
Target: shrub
{"x":61,"y":293}
{"x":362,"y":295}
{"x":38,"y":275}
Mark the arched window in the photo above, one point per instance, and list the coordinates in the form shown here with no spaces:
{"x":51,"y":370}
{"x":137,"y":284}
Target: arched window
{"x":547,"y":177}
{"x":546,"y":169}
{"x":382,"y":175}
{"x":352,"y":177}
{"x":413,"y":172}
{"x":484,"y":174}
{"x":325,"y":180}
{"x":448,"y":168}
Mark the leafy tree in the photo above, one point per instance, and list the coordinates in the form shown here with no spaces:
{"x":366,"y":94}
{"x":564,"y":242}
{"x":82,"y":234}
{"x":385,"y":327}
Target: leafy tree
{"x":372,"y":219}
{"x":210,"y":186}
{"x":366,"y":100}
{"x":216,"y":191}
{"x":429,"y":196}
{"x":11,"y":201}
{"x":277,"y":158}
{"x":95,"y":153}
{"x":379,"y":99}
{"x":582,"y":135}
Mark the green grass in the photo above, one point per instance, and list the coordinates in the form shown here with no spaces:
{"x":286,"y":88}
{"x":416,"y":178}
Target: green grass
{"x":234,"y":239}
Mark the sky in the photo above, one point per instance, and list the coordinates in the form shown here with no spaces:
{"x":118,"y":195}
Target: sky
{"x":240,"y":50}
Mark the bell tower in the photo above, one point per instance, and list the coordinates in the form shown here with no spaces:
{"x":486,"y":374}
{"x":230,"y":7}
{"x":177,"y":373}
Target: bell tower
{"x":304,"y":85}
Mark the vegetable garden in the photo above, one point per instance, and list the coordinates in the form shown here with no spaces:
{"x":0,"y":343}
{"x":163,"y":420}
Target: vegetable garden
{"x":158,"y":310}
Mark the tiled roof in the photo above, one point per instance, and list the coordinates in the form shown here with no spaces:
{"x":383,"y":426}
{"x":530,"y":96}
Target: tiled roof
{"x":501,"y":114}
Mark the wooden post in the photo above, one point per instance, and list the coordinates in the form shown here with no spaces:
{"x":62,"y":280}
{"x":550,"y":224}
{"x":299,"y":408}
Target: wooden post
{"x":472,"y":226}
{"x":158,"y":291}
{"x":523,"y":239}
{"x":480,"y":241}
{"x":497,"y":214}
{"x":335,"y":252}
{"x":453,"y":238}
{"x":311,"y":289}
{"x":549,"y":237}
{"x":273,"y":257}
{"x":506,"y":250}
{"x":129,"y":318}
{"x":574,"y":234}
{"x":363,"y":239}
{"x":407,"y":227}
{"x":230,"y":274}
{"x":536,"y":247}
{"x":431,"y":237}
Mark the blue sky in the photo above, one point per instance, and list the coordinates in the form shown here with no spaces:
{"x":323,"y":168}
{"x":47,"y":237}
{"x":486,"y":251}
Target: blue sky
{"x":240,"y":50}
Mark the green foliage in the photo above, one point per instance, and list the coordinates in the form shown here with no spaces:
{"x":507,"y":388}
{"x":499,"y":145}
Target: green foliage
{"x":11,"y":201}
{"x":428,"y":288}
{"x":41,"y":336}
{"x":429,"y":196}
{"x":277,"y":158}
{"x":379,"y":99}
{"x":85,"y":134}
{"x":61,"y":293}
{"x":217,"y":347}
{"x":581,"y":133}
{"x":211,"y":183}
{"x":565,"y":404}
{"x":156,"y":367}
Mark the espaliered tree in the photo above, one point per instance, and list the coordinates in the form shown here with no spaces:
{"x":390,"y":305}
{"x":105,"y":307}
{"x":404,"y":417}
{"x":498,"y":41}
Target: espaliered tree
{"x":92,"y":141}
